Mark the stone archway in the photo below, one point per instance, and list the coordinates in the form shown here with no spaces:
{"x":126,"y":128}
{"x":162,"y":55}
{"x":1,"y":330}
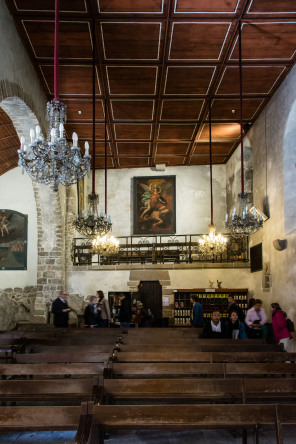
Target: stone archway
{"x":164,"y":279}
{"x":289,"y":172}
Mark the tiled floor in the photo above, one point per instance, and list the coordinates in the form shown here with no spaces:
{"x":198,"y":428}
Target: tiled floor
{"x":267,"y":436}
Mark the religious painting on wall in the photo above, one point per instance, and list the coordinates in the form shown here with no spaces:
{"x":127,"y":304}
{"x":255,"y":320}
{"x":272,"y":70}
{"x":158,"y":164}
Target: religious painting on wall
{"x":13,"y":240}
{"x":154,"y":205}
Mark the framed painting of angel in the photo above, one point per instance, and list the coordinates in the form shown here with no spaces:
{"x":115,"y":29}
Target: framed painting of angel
{"x":154,"y":205}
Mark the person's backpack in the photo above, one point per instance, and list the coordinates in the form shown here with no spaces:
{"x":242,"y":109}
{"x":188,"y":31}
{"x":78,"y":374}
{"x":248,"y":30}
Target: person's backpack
{"x":290,"y":325}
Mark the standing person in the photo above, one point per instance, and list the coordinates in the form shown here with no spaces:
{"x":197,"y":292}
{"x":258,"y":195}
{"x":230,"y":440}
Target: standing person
{"x":214,"y":328}
{"x":197,"y":320}
{"x":92,"y":313}
{"x":255,"y":320}
{"x":235,"y":329}
{"x":60,"y":309}
{"x":103,"y":304}
{"x":233,"y":306}
{"x":125,"y":311}
{"x":279,"y":325}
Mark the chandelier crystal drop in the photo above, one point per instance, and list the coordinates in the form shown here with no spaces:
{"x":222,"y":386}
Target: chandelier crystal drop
{"x":105,"y":246}
{"x":212,"y":243}
{"x":52,"y":161}
{"x":91,"y":223}
{"x":243,"y":222}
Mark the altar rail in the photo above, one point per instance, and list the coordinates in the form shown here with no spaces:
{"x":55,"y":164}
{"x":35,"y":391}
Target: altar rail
{"x":159,"y":250}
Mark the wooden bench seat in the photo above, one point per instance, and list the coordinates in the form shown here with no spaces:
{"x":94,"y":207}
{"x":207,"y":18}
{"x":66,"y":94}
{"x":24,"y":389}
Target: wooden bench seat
{"x":57,"y":390}
{"x":259,"y":369}
{"x":181,"y":417}
{"x":31,"y":358}
{"x":37,"y":418}
{"x":56,"y":370}
{"x":37,"y":348}
{"x":163,"y":390}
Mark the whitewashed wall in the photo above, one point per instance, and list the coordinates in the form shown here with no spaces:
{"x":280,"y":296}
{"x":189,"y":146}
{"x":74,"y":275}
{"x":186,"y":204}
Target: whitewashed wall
{"x":270,"y":139}
{"x":17,"y":194}
{"x":192,"y":197}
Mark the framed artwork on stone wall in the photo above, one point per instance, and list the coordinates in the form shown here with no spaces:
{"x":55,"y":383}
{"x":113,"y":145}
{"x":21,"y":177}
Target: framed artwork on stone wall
{"x":154,"y":205}
{"x":13,"y":240}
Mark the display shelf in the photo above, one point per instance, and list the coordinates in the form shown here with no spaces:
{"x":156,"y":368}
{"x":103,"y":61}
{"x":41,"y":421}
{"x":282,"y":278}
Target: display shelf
{"x":210,"y":299}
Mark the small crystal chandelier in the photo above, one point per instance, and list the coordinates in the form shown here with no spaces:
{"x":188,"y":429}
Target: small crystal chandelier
{"x":52,"y":161}
{"x":212,"y":243}
{"x":90,"y":223}
{"x":242,"y":223}
{"x":105,"y":246}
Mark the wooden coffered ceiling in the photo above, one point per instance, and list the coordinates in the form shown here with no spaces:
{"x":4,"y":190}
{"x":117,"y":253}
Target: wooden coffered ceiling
{"x":158,"y":63}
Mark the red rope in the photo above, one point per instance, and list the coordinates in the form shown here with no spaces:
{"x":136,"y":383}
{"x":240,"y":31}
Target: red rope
{"x":106,"y":157}
{"x":211,"y":169}
{"x":94,"y":108}
{"x":241,"y":104}
{"x":56,"y":51}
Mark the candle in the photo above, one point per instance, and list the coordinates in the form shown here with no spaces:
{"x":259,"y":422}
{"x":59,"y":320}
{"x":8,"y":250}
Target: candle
{"x":23,"y":140}
{"x":52,"y":135}
{"x":32,"y":135}
{"x":75,"y":140}
{"x":86,"y":147}
{"x":226,"y":217}
{"x":38,"y":131}
{"x":61,"y":129}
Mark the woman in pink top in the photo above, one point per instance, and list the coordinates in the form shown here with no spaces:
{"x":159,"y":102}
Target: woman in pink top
{"x":279,"y":325}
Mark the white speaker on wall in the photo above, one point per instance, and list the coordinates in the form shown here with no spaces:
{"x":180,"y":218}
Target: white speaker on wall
{"x":160,"y":167}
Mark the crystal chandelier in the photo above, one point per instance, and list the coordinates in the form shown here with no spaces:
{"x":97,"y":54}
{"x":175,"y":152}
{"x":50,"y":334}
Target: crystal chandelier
{"x":212,"y":243}
{"x":89,"y":223}
{"x":105,"y":246}
{"x":242,"y":223}
{"x":52,"y":161}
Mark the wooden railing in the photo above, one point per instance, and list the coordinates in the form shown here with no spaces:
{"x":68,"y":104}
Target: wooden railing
{"x":159,"y":250}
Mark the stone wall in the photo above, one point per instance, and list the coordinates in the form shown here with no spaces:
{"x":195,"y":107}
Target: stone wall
{"x":16,"y":306}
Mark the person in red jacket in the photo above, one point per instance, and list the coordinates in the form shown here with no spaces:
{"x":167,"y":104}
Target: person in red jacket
{"x":279,"y":325}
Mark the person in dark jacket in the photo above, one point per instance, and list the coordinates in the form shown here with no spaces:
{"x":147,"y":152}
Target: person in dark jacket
{"x":234,"y":328}
{"x":214,"y":328}
{"x":61,"y":309}
{"x":92,"y":313}
{"x":197,"y":320}
{"x":125,"y":312}
{"x":233,"y":306}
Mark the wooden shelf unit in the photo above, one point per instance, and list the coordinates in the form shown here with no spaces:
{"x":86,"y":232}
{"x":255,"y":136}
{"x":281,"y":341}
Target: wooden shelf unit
{"x":210,"y":299}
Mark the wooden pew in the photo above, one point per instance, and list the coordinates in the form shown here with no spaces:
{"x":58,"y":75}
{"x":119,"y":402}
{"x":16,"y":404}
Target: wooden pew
{"x":179,"y":417}
{"x":68,"y":357}
{"x":259,"y":369}
{"x":57,"y":390}
{"x":37,"y":348}
{"x":33,"y":418}
{"x":56,"y":370}
{"x":178,"y":355}
{"x":168,"y":370}
{"x":188,"y":390}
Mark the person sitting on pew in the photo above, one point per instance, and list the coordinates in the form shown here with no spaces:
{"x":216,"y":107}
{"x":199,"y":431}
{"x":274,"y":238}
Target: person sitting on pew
{"x":92,"y":313}
{"x":233,"y":306}
{"x":214,"y":328}
{"x":235,"y":329}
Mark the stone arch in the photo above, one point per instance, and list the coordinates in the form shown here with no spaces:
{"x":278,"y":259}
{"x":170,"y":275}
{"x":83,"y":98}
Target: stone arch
{"x":50,"y":218}
{"x":289,"y":169}
{"x":20,"y":107}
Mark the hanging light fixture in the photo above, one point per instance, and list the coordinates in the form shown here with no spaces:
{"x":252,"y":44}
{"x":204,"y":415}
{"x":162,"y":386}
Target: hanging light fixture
{"x":90,"y":223}
{"x":242,"y":222}
{"x":212,"y":243}
{"x":52,"y":161}
{"x":105,"y":245}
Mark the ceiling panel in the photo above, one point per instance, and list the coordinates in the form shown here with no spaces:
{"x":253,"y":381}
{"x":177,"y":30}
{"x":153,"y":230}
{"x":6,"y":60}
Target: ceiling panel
{"x":158,"y":63}
{"x":131,"y":41}
{"x":9,"y":143}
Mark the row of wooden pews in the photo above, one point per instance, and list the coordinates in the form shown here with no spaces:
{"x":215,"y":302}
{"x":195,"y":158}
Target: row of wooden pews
{"x":109,"y":380}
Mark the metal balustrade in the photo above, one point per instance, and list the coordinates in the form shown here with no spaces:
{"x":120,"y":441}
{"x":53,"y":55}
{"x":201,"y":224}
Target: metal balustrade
{"x":160,"y":249}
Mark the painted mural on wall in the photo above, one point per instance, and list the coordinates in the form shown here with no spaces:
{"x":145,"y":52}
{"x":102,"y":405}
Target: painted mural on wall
{"x":155,"y":205}
{"x":13,"y":240}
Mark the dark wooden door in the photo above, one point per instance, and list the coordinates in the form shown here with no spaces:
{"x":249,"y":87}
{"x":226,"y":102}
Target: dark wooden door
{"x":150,"y":293}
